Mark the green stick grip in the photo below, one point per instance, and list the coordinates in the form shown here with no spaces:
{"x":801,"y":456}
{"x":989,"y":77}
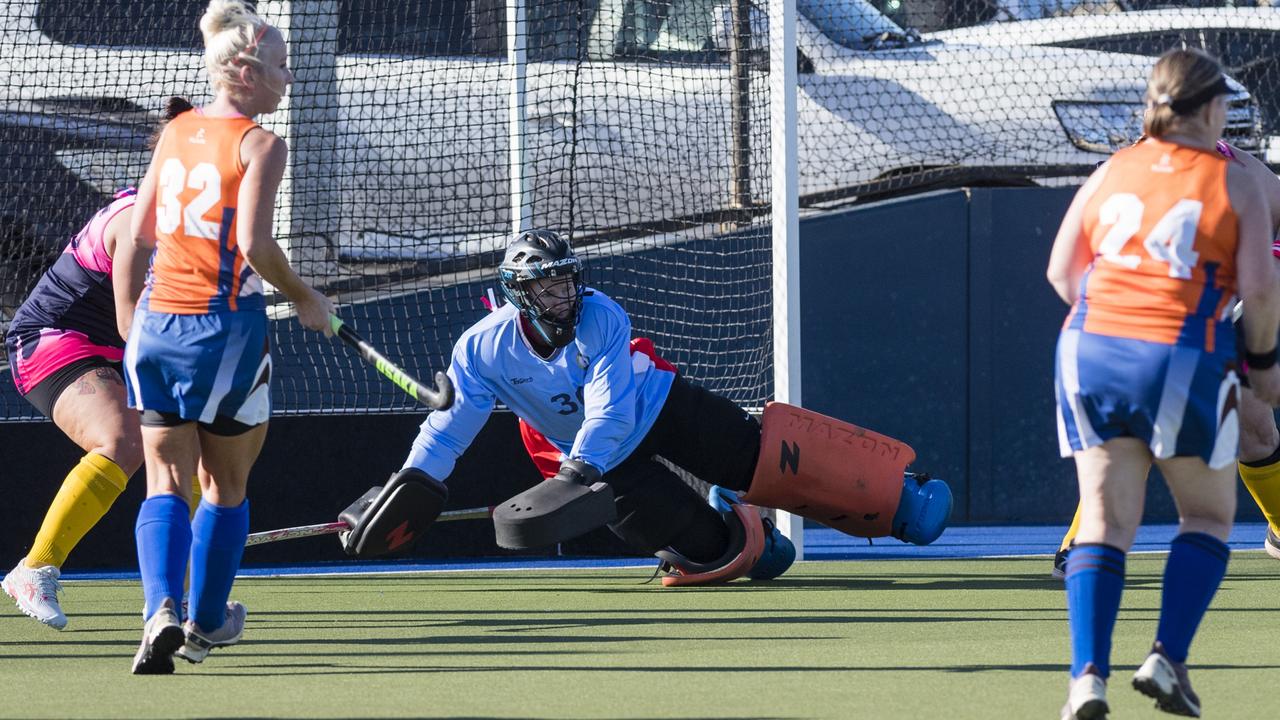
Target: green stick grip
{"x":440,"y":398}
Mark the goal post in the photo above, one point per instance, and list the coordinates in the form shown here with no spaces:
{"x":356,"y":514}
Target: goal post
{"x":784,"y":193}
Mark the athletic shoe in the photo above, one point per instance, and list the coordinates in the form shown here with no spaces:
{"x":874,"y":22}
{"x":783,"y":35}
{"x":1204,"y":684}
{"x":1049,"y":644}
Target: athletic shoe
{"x":161,"y":637}
{"x":1166,"y":681}
{"x":1060,"y":563}
{"x":35,"y":590}
{"x":1272,"y":544}
{"x":1086,"y":696}
{"x":199,"y":642}
{"x":779,"y":553}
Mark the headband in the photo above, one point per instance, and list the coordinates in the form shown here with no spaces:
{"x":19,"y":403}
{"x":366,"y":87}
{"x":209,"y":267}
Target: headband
{"x":1184,"y":106}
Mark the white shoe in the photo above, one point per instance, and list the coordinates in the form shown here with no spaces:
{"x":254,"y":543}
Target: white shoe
{"x":161,"y":636}
{"x":199,"y":642}
{"x":35,"y":590}
{"x":1167,"y":683}
{"x":1272,"y":543}
{"x":1086,"y":697}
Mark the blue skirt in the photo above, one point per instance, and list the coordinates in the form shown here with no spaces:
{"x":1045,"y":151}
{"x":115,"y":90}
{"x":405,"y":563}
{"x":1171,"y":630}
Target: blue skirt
{"x":200,"y":367}
{"x":1181,"y":401}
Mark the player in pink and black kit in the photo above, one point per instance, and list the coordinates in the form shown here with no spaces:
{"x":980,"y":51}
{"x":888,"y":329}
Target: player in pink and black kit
{"x":65,"y":353}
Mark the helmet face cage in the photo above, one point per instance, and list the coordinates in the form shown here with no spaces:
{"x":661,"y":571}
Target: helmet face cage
{"x":534,"y":255}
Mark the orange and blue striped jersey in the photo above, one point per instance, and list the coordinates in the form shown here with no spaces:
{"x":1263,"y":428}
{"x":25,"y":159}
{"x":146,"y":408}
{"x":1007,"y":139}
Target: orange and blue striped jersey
{"x":1164,"y":239}
{"x":198,"y":266}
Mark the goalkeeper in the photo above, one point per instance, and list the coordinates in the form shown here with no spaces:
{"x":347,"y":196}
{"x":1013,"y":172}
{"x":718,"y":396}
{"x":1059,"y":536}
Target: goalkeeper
{"x":1259,"y":464}
{"x":558,"y":354}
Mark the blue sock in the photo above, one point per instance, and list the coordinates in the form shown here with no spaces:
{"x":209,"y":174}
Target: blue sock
{"x":1095,"y":580}
{"x":218,"y":535}
{"x":1195,"y":568}
{"x":163,"y":534}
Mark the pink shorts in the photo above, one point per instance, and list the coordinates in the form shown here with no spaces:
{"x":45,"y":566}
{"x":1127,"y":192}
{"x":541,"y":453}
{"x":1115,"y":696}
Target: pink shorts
{"x":54,"y":350}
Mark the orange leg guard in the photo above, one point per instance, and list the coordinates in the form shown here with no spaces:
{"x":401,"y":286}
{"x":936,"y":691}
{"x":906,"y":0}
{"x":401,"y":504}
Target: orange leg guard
{"x":828,"y":470}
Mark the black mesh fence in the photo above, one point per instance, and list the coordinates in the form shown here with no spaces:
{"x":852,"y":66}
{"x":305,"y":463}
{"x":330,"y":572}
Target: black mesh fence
{"x":645,"y":136}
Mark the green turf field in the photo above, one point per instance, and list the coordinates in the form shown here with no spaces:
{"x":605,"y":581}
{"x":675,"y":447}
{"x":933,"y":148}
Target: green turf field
{"x":928,"y":639}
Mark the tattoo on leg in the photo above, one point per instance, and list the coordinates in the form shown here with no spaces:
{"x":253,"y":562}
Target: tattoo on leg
{"x":88,"y":383}
{"x":108,"y":376}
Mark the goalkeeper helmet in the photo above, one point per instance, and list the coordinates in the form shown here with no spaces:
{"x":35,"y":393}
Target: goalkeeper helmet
{"x":530,"y":268}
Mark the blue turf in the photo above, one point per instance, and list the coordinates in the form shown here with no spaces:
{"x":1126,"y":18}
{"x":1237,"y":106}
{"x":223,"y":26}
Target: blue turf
{"x":819,"y":544}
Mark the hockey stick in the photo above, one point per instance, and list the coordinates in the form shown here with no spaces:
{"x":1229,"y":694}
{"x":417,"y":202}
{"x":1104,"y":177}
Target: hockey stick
{"x":340,"y":526}
{"x":438,"y":398}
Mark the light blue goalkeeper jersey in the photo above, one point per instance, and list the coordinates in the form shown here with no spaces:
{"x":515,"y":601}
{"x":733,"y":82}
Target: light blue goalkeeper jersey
{"x":591,"y":399}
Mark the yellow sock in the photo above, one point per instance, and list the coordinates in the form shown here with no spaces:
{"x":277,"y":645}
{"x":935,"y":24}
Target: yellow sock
{"x":195,"y":495}
{"x":85,"y":496}
{"x":1072,"y":531}
{"x":1263,"y":483}
{"x":194,"y":504}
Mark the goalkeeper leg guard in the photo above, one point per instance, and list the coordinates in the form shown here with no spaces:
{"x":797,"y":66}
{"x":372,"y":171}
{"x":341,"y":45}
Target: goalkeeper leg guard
{"x":844,"y":476}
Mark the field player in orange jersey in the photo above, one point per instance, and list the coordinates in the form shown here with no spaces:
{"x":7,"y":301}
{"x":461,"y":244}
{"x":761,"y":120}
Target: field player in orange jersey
{"x":1259,"y":437}
{"x":1150,"y":255}
{"x":197,"y":359}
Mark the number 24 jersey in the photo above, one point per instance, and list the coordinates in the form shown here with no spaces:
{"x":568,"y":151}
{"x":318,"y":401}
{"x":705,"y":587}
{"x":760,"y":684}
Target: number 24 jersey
{"x":1164,"y":239}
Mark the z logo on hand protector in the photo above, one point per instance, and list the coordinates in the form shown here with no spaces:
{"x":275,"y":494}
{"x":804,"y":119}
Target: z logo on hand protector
{"x":399,"y":536}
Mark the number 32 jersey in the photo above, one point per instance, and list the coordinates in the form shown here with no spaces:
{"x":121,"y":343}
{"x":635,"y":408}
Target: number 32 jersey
{"x":198,"y":267}
{"x":1164,"y":240}
{"x":592,"y":399}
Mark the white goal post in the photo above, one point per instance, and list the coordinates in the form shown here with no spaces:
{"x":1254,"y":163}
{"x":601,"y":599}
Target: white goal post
{"x":784,"y":185}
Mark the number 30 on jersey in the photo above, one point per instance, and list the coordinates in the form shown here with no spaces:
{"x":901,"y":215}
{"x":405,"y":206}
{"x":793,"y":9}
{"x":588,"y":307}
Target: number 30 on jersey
{"x":1171,"y":240}
{"x":174,"y":178}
